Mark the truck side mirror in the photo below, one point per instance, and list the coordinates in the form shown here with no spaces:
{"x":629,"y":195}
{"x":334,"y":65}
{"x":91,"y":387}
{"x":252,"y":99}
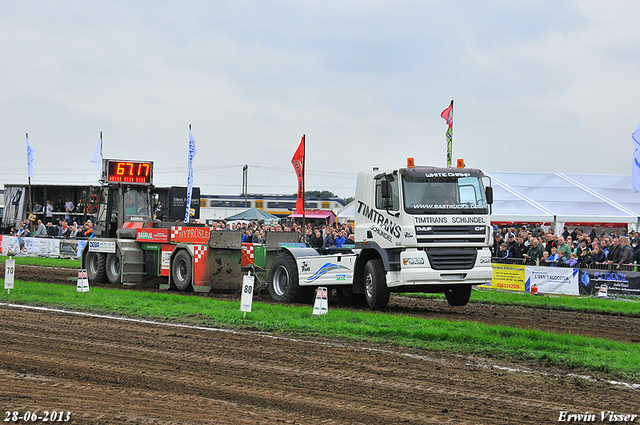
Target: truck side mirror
{"x":489,"y":193}
{"x":385,"y":194}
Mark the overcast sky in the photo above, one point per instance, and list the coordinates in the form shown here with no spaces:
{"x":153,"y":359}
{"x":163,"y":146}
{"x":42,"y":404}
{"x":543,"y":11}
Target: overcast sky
{"x":549,"y":86}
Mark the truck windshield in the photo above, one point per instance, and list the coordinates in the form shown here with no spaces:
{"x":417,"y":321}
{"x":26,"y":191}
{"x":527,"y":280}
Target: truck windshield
{"x":444,"y":195}
{"x":137,"y":205}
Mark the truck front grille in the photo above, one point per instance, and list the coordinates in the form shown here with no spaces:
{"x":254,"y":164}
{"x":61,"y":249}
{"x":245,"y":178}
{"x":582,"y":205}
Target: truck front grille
{"x":429,"y":234}
{"x":451,"y":258}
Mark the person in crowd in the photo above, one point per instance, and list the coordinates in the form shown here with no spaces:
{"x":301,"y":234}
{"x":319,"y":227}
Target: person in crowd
{"x":20,"y":229}
{"x":316,"y":239}
{"x":569,"y":241}
{"x":573,"y":260}
{"x":614,"y":252}
{"x":504,"y":251}
{"x":248,"y":236}
{"x":341,"y":239}
{"x":598,"y":257}
{"x":584,"y":253}
{"x":37,"y":208}
{"x":88,"y":229}
{"x":626,"y":253}
{"x":518,"y":249}
{"x":52,"y":232}
{"x":561,"y":260}
{"x":48,"y":211}
{"x":23,"y":230}
{"x":157,"y":211}
{"x":544,"y":261}
{"x":42,"y":230}
{"x":258,"y":236}
{"x":498,"y":240}
{"x":73,"y":233}
{"x":564,"y":247}
{"x":68,"y":209}
{"x":64,"y":230}
{"x":553,"y":257}
{"x":59,"y":206}
{"x":327,"y":241}
{"x":535,"y":251}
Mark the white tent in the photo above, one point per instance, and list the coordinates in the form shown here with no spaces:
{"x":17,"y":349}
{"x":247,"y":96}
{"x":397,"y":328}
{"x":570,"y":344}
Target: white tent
{"x":564,"y":198}
{"x":560,"y":198}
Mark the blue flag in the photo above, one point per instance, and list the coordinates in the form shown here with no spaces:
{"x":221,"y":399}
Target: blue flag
{"x":635,"y":166}
{"x":96,"y":159}
{"x":30,"y":158}
{"x":192,"y":153}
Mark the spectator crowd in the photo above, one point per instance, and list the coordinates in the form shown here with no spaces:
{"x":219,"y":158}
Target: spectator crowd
{"x":573,"y":248}
{"x":319,"y":236}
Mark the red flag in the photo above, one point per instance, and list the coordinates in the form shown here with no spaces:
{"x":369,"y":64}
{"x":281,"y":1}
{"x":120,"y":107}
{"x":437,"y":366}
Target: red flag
{"x":298,"y":164}
{"x":447,"y":114}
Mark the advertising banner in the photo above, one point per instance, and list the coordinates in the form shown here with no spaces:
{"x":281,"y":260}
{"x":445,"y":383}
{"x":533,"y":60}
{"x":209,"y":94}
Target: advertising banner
{"x":42,"y":246}
{"x":616,"y":281}
{"x":197,"y":235}
{"x":507,"y":276}
{"x":552,"y":280}
{"x":10,"y":245}
{"x":153,"y":235}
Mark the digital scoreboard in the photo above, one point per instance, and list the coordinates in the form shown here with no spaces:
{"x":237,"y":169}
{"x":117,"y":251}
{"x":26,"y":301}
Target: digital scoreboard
{"x":129,"y":172}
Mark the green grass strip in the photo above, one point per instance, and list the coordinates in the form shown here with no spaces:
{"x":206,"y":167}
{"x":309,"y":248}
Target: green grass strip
{"x":44,"y":261}
{"x":568,"y":351}
{"x":612,"y":305}
{"x":623,"y":306}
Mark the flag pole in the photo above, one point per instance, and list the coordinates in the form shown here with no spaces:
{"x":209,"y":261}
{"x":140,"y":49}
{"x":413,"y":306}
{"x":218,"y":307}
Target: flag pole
{"x":304,"y":209}
{"x":447,"y":114}
{"x":29,"y":177}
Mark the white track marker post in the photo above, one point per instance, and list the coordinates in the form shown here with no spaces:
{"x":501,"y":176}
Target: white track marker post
{"x":603,"y":291}
{"x":321,"y":305}
{"x":9,"y":274}
{"x":247,"y":294}
{"x":83,"y":281}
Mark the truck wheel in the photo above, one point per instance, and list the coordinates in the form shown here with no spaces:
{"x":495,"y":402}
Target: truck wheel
{"x":376,"y":291}
{"x":114,"y":265}
{"x":458,"y":295}
{"x":283,"y":282}
{"x":181,"y":270}
{"x":96,"y":266}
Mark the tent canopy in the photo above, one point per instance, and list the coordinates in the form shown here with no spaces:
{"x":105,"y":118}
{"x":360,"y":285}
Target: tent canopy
{"x":565,"y":198}
{"x":253,"y":214}
{"x":557,"y":197}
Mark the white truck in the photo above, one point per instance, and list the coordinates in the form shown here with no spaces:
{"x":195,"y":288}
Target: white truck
{"x":417,"y":229}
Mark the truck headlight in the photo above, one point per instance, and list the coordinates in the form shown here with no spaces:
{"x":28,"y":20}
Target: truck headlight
{"x":413,"y":261}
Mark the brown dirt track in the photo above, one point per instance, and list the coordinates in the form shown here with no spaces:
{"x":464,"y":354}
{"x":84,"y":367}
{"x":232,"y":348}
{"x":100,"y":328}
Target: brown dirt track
{"x":107,"y":371}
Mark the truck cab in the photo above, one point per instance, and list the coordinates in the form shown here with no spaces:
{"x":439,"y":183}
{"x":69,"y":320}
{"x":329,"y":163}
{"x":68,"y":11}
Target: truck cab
{"x":417,"y":229}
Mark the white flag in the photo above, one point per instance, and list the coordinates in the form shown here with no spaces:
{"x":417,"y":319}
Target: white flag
{"x":192,"y":153}
{"x":30,"y":158}
{"x":635,"y":166}
{"x":96,"y":159}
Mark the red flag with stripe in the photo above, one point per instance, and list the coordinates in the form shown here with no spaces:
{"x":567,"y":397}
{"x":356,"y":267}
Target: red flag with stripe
{"x":298,"y":164}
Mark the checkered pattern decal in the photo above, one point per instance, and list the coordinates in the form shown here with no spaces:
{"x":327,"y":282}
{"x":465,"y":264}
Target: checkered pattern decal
{"x":248,"y":255}
{"x":199,"y":251}
{"x":174,"y":232}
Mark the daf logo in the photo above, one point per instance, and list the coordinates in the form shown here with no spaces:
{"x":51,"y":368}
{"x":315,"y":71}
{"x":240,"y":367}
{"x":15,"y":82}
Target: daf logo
{"x":479,"y":229}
